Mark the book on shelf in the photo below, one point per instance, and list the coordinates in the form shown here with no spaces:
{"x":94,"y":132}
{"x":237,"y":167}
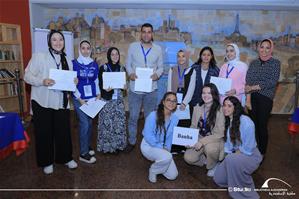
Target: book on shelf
{"x":4,"y":73}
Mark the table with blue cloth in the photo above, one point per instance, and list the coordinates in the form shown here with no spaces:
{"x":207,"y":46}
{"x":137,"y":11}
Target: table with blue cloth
{"x":293,"y":126}
{"x":13,"y":137}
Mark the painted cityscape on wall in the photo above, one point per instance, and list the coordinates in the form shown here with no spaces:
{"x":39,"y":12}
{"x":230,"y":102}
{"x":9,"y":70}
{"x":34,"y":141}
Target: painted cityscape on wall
{"x":196,"y":29}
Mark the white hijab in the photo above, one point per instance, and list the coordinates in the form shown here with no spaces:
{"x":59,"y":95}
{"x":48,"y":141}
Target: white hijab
{"x":237,"y":58}
{"x":84,"y":60}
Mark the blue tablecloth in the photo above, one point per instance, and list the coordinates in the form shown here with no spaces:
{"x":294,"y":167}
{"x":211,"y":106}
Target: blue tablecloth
{"x":13,"y":137}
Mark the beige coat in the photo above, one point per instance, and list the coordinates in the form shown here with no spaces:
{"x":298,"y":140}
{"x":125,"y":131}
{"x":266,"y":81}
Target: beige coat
{"x":217,"y":132}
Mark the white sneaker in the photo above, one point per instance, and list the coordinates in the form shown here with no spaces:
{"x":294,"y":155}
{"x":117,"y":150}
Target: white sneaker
{"x":48,"y":169}
{"x":211,"y":172}
{"x":152,"y":177}
{"x":72,"y":164}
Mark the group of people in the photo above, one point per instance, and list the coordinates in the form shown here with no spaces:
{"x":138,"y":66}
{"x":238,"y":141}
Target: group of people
{"x":230,"y":144}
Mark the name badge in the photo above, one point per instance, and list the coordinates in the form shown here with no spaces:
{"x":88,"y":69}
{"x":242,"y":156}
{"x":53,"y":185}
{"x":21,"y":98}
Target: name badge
{"x":114,"y":96}
{"x":87,"y":91}
{"x":179,"y":97}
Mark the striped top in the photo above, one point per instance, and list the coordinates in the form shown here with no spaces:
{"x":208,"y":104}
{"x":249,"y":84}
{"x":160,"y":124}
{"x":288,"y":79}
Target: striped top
{"x":265,"y":74}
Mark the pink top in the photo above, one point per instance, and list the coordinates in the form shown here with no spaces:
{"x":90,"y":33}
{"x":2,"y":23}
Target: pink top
{"x":238,"y":76}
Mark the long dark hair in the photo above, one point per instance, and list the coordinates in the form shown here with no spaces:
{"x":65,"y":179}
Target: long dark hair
{"x":234,"y":131}
{"x":215,"y":104}
{"x":213,"y":62}
{"x":160,"y":121}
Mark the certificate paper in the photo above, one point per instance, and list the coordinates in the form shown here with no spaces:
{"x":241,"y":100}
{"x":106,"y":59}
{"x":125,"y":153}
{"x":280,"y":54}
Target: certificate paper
{"x":143,"y":83}
{"x":182,"y":115}
{"x":92,"y":107}
{"x":185,"y":136}
{"x":223,"y":84}
{"x":64,"y":79}
{"x":114,"y":80}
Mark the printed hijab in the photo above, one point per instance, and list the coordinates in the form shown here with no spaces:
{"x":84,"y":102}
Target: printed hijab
{"x":269,"y":55}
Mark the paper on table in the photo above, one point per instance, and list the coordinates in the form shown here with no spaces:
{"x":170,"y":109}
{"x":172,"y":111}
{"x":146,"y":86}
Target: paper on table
{"x":114,"y":80}
{"x":144,"y":82}
{"x":64,"y":79}
{"x":223,"y":84}
{"x":183,"y":115}
{"x":185,"y":136}
{"x":92,"y":107}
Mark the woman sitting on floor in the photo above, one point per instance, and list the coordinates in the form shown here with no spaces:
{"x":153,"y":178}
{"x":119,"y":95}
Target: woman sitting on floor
{"x":157,"y":140}
{"x":243,"y":156}
{"x":209,"y":119}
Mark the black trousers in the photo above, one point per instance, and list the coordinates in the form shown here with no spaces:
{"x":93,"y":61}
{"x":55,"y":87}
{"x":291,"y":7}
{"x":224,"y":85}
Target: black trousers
{"x":52,"y":135}
{"x":260,"y":113}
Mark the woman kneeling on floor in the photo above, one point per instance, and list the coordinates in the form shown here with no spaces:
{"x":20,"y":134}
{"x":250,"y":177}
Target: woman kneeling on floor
{"x":209,"y":119}
{"x":157,"y":140}
{"x":243,"y":156}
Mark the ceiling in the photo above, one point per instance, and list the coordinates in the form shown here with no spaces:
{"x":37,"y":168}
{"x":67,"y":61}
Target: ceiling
{"x":173,"y":4}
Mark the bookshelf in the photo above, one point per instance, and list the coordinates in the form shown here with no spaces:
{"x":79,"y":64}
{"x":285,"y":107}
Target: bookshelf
{"x":11,"y":67}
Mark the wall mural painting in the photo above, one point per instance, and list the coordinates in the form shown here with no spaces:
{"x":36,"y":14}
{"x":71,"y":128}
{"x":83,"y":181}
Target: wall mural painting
{"x":196,"y":29}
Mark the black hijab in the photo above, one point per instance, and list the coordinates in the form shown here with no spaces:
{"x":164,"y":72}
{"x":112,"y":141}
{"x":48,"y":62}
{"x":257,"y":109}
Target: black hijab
{"x":116,"y":66}
{"x":63,"y":62}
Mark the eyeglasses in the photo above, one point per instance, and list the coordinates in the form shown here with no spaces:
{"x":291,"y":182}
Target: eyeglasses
{"x":172,"y":101}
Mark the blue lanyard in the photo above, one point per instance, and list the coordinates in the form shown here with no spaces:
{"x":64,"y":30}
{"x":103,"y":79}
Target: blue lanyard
{"x":229,"y":72}
{"x":204,"y":118}
{"x":164,"y":140}
{"x":57,"y":65}
{"x":109,"y":67}
{"x":181,"y":77}
{"x":145,"y":54}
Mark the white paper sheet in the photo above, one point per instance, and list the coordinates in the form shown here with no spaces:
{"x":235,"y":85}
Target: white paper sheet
{"x":223,"y":84}
{"x":92,"y":107}
{"x":185,"y":136}
{"x":143,"y":83}
{"x":114,"y":80}
{"x":64,"y":79}
{"x":183,"y":115}
{"x":179,"y":97}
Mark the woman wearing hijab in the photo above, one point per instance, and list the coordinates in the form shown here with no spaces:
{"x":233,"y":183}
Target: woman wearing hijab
{"x":112,"y":120}
{"x":88,"y":87}
{"x":235,"y":70}
{"x":51,"y":114}
{"x":261,"y":80}
{"x":181,"y":80}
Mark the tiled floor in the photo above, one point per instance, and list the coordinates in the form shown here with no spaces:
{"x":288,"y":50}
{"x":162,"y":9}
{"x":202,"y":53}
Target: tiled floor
{"x":130,"y":171}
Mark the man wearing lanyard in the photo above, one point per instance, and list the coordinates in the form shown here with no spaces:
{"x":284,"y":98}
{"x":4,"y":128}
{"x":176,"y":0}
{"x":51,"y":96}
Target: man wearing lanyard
{"x":143,"y":54}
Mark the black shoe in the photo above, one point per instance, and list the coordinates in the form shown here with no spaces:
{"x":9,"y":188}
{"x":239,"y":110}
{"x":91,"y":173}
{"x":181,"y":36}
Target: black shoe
{"x":87,"y":158}
{"x":129,"y":148}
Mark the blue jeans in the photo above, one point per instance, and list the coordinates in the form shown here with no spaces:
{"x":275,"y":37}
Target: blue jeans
{"x":85,"y":128}
{"x":162,"y":88}
{"x":149,"y":101}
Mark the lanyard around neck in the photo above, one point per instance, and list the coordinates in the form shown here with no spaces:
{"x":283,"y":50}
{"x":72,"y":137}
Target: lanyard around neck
{"x":145,"y":54}
{"x":229,"y":71}
{"x":181,"y":77}
{"x":57,"y":65}
{"x":204,"y":117}
{"x":164,"y":140}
